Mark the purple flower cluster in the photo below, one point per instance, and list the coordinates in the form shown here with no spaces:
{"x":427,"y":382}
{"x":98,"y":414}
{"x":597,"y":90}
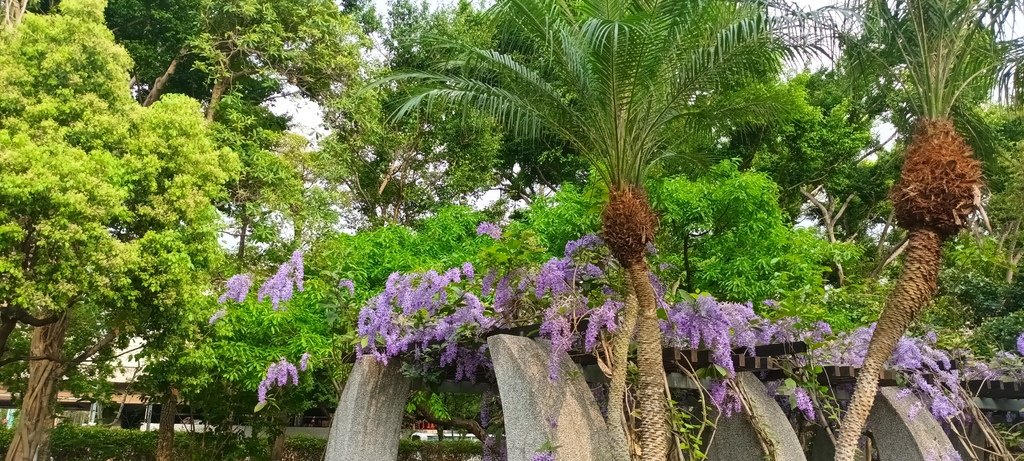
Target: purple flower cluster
{"x":278,"y":374}
{"x":927,"y":369}
{"x":418,"y":310}
{"x":237,"y":288}
{"x":485,"y":409}
{"x":586,"y":242}
{"x":723,"y":398}
{"x":602,"y":317}
{"x":489,"y":229}
{"x":543,"y":456}
{"x":287,"y":279}
{"x":1020,"y":344}
{"x":555,"y":277}
{"x":304,"y":361}
{"x":707,"y":323}
{"x":349,"y":285}
{"x":804,"y":402}
{"x":494,"y":450}
{"x":559,"y":331}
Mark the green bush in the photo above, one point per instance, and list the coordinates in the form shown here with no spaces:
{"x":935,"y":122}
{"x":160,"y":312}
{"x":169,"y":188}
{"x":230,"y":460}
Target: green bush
{"x":448,"y":450}
{"x":84,"y":443}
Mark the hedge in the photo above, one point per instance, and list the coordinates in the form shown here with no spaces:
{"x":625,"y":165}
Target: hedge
{"x":86,"y":443}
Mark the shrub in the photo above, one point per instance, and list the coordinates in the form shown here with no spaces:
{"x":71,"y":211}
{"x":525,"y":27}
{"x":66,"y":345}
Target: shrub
{"x":85,"y":443}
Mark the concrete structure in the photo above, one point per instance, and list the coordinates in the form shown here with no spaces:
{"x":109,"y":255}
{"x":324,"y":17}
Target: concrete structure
{"x":540,"y":413}
{"x":736,"y":438}
{"x":368,"y":420}
{"x":896,"y":435}
{"x":899,"y":437}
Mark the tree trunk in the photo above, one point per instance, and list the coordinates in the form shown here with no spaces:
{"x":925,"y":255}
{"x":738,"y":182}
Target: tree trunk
{"x":161,"y":81}
{"x":277,"y":450}
{"x":651,"y":397}
{"x":617,"y":387}
{"x":165,"y":439}
{"x":14,"y":10}
{"x":914,"y":290}
{"x":31,"y":440}
{"x":218,"y":92}
{"x":243,"y":234}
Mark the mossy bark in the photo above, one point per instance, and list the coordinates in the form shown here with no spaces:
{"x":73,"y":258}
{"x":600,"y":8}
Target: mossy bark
{"x":31,"y":440}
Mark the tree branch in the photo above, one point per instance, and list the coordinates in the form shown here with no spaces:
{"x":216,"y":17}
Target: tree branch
{"x":161,"y":81}
{"x":88,"y":353}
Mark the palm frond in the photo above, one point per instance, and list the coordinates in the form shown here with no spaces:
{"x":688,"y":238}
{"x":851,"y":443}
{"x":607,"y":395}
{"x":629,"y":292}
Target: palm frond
{"x":617,"y":79}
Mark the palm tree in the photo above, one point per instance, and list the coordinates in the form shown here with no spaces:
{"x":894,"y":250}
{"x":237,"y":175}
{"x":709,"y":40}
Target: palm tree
{"x":623,"y":82}
{"x":942,"y":57}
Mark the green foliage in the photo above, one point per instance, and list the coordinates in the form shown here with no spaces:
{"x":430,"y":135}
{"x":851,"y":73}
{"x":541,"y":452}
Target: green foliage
{"x":369,"y":257}
{"x":725,"y":233}
{"x":999,"y":333}
{"x":82,"y":443}
{"x":824,"y":143}
{"x":571,"y":212}
{"x":312,"y":45}
{"x":106,"y":208}
{"x":682,"y":69}
{"x":399,"y":171}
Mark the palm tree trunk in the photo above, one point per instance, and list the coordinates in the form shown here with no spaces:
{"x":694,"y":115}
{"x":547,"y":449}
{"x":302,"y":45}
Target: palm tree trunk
{"x":651,"y":392}
{"x":31,"y":440}
{"x":913,"y":291}
{"x":617,"y":387}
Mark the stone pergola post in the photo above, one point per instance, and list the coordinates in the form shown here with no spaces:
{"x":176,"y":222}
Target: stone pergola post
{"x":737,"y":437}
{"x":540,"y":412}
{"x":368,"y":420}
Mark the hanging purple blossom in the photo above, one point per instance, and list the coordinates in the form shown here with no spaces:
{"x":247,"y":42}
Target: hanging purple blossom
{"x":304,"y":361}
{"x":489,"y":229}
{"x":485,"y":409}
{"x":602,"y":317}
{"x":1020,"y":344}
{"x":237,"y":288}
{"x":583,"y":243}
{"x":278,"y":374}
{"x":488,"y":282}
{"x":804,"y":402}
{"x":723,"y":398}
{"x":494,"y":450}
{"x":286,"y":280}
{"x":554,"y":277}
{"x":298,"y":270}
{"x":556,"y":329}
{"x":467,"y":270}
{"x":348,"y":284}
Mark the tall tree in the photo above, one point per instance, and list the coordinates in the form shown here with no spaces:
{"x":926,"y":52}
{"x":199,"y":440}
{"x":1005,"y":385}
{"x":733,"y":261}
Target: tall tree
{"x":624,"y":82}
{"x":398,"y":171}
{"x":106,"y":208}
{"x":943,"y":57}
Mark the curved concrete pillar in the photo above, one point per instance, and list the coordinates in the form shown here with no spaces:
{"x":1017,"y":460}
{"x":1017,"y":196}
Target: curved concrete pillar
{"x":902,"y":438}
{"x":539,"y":412}
{"x":736,"y":439}
{"x":897,"y":436}
{"x":368,"y":421}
